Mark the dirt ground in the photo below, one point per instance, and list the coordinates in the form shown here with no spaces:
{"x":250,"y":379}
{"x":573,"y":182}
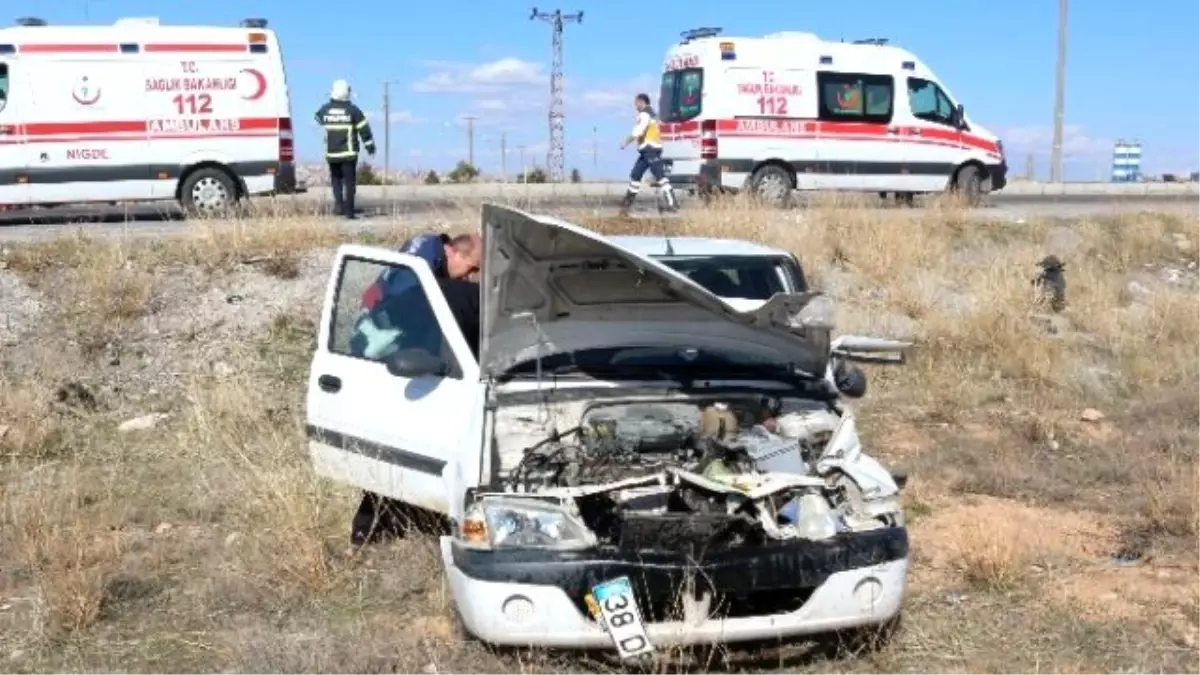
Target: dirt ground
{"x":157,"y":511}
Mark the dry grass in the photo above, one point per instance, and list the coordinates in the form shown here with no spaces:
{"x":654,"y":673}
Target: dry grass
{"x":206,"y":543}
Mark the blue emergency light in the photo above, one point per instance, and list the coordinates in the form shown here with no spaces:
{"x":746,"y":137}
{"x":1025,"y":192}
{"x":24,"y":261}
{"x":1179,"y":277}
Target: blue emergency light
{"x":698,"y":33}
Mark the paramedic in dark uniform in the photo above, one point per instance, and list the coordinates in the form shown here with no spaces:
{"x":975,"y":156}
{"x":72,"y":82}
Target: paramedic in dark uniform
{"x":454,"y":261}
{"x":448,"y":257}
{"x":649,"y":144}
{"x":344,"y":126}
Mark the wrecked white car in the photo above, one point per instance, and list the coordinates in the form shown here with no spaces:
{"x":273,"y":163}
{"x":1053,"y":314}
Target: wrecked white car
{"x":629,"y":462}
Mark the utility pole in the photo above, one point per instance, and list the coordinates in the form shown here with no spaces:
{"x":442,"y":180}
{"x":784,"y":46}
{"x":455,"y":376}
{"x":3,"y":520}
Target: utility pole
{"x":1060,"y":85}
{"x":470,"y":139}
{"x":1030,"y":172}
{"x":387,"y":132}
{"x":595,"y":153}
{"x":504,"y":156}
{"x":554,"y":155}
{"x":521,"y":149}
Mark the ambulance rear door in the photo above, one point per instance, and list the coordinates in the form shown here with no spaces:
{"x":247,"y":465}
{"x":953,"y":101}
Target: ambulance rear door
{"x":13,"y":90}
{"x":680,"y":106}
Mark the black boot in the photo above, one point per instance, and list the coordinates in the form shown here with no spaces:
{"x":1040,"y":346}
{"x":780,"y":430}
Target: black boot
{"x":627,"y":202}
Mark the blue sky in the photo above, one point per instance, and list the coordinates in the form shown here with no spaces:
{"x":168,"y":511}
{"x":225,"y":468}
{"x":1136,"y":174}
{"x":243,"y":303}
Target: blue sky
{"x":1132,"y":69}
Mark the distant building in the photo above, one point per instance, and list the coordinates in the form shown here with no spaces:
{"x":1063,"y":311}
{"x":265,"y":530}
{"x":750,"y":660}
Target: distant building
{"x":1127,"y":162}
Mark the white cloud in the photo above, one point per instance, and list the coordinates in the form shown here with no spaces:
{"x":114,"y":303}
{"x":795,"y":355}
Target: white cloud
{"x":619,"y":96}
{"x":493,"y":105}
{"x":1040,"y":139}
{"x":493,"y":76}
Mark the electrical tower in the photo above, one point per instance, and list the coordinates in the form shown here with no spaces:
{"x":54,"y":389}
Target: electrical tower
{"x":554,"y":155}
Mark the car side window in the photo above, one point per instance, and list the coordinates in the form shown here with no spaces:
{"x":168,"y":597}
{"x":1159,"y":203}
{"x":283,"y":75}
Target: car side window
{"x":928,"y":102}
{"x":855,"y":97}
{"x":382,"y":309}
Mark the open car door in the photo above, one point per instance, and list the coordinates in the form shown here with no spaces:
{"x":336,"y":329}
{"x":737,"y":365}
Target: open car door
{"x":395,"y":405}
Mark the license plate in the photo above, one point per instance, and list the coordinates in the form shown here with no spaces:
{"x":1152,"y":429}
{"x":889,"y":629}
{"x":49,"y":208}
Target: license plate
{"x":619,"y":614}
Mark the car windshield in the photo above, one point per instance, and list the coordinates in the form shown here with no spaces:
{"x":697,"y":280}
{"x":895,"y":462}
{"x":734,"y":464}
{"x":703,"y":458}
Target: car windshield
{"x":751,"y":277}
{"x":650,"y":362}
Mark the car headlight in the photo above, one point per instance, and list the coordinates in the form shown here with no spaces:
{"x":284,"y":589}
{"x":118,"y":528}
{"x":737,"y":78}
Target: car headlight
{"x":511,"y":523}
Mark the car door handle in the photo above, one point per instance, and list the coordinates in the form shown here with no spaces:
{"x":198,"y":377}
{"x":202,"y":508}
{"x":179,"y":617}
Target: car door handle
{"x":329,"y":383}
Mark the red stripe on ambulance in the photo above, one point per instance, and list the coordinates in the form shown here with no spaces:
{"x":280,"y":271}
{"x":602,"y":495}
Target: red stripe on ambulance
{"x":49,"y":48}
{"x":115,"y":127}
{"x":814,"y":130}
{"x":194,"y":47}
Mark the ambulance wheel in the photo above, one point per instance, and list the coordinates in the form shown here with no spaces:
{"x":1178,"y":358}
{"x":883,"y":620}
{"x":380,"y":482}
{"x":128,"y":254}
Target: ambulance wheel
{"x":772,"y":184}
{"x":208,"y":192}
{"x":969,"y":184}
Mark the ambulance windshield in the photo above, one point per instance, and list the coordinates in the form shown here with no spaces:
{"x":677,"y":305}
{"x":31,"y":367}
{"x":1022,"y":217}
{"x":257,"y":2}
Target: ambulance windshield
{"x":679,"y":99}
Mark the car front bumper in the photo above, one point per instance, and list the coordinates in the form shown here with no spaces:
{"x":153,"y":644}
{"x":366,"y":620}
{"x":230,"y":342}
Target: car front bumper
{"x":536,"y":598}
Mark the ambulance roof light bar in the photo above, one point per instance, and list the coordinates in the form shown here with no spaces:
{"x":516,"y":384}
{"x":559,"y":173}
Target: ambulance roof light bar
{"x":698,"y":33}
{"x":872,"y":41}
{"x":30,"y":21}
{"x":253,"y":23}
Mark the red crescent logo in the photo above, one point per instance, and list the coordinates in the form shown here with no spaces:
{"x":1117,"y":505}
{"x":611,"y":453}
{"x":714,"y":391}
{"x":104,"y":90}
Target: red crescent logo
{"x":83,"y":94}
{"x":260,"y":84}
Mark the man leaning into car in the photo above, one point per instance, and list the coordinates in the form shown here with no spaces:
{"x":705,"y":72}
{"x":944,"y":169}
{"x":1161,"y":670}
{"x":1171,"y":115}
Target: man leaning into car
{"x":454,"y":262}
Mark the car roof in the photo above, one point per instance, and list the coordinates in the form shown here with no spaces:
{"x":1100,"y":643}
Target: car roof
{"x":657,"y":246}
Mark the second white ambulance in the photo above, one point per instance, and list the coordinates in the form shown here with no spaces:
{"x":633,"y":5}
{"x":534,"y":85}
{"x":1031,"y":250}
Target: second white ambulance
{"x":792,"y":111}
{"x":141,"y":111}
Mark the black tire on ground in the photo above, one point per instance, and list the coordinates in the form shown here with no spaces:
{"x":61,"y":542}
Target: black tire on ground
{"x":905,"y":198}
{"x":969,"y":184}
{"x":208,"y":192}
{"x":773,"y":185}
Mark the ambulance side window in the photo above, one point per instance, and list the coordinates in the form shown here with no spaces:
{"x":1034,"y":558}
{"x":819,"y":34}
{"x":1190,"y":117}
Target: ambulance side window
{"x":3,"y":84}
{"x":856,"y":97}
{"x":928,"y":102}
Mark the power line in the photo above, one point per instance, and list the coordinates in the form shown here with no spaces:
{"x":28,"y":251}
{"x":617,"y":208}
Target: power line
{"x":1060,"y":85}
{"x":554,"y":155}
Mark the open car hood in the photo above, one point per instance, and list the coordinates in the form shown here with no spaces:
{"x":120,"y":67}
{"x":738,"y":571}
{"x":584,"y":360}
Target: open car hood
{"x":550,"y":287}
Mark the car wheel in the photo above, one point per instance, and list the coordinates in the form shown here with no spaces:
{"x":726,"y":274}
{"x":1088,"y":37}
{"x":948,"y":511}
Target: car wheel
{"x":969,"y":184}
{"x":772,"y":184}
{"x":208,"y":192}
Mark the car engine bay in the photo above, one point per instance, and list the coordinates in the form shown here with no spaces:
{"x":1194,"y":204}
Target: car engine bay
{"x":692,"y":473}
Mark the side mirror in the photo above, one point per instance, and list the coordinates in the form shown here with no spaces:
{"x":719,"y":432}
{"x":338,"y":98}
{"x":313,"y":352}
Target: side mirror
{"x":851,"y":381}
{"x":960,"y":116}
{"x":414,"y":363}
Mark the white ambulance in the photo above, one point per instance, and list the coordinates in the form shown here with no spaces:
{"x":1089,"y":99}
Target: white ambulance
{"x":792,"y":111}
{"x":143,"y":111}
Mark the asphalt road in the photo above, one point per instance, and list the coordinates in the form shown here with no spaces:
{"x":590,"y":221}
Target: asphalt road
{"x":164,"y":218}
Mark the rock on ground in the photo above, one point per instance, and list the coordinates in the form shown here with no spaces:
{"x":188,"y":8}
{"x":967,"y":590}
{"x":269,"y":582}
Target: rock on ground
{"x":20,"y":308}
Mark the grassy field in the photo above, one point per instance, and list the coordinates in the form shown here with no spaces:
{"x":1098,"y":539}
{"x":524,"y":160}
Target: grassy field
{"x":1052,"y":457}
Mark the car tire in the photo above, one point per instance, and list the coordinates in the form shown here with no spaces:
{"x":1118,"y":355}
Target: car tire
{"x":208,"y":192}
{"x":773,"y":185}
{"x":969,"y":184}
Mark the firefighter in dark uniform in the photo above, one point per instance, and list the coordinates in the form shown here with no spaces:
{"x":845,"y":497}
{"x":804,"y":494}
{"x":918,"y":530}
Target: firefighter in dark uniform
{"x":344,"y":126}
